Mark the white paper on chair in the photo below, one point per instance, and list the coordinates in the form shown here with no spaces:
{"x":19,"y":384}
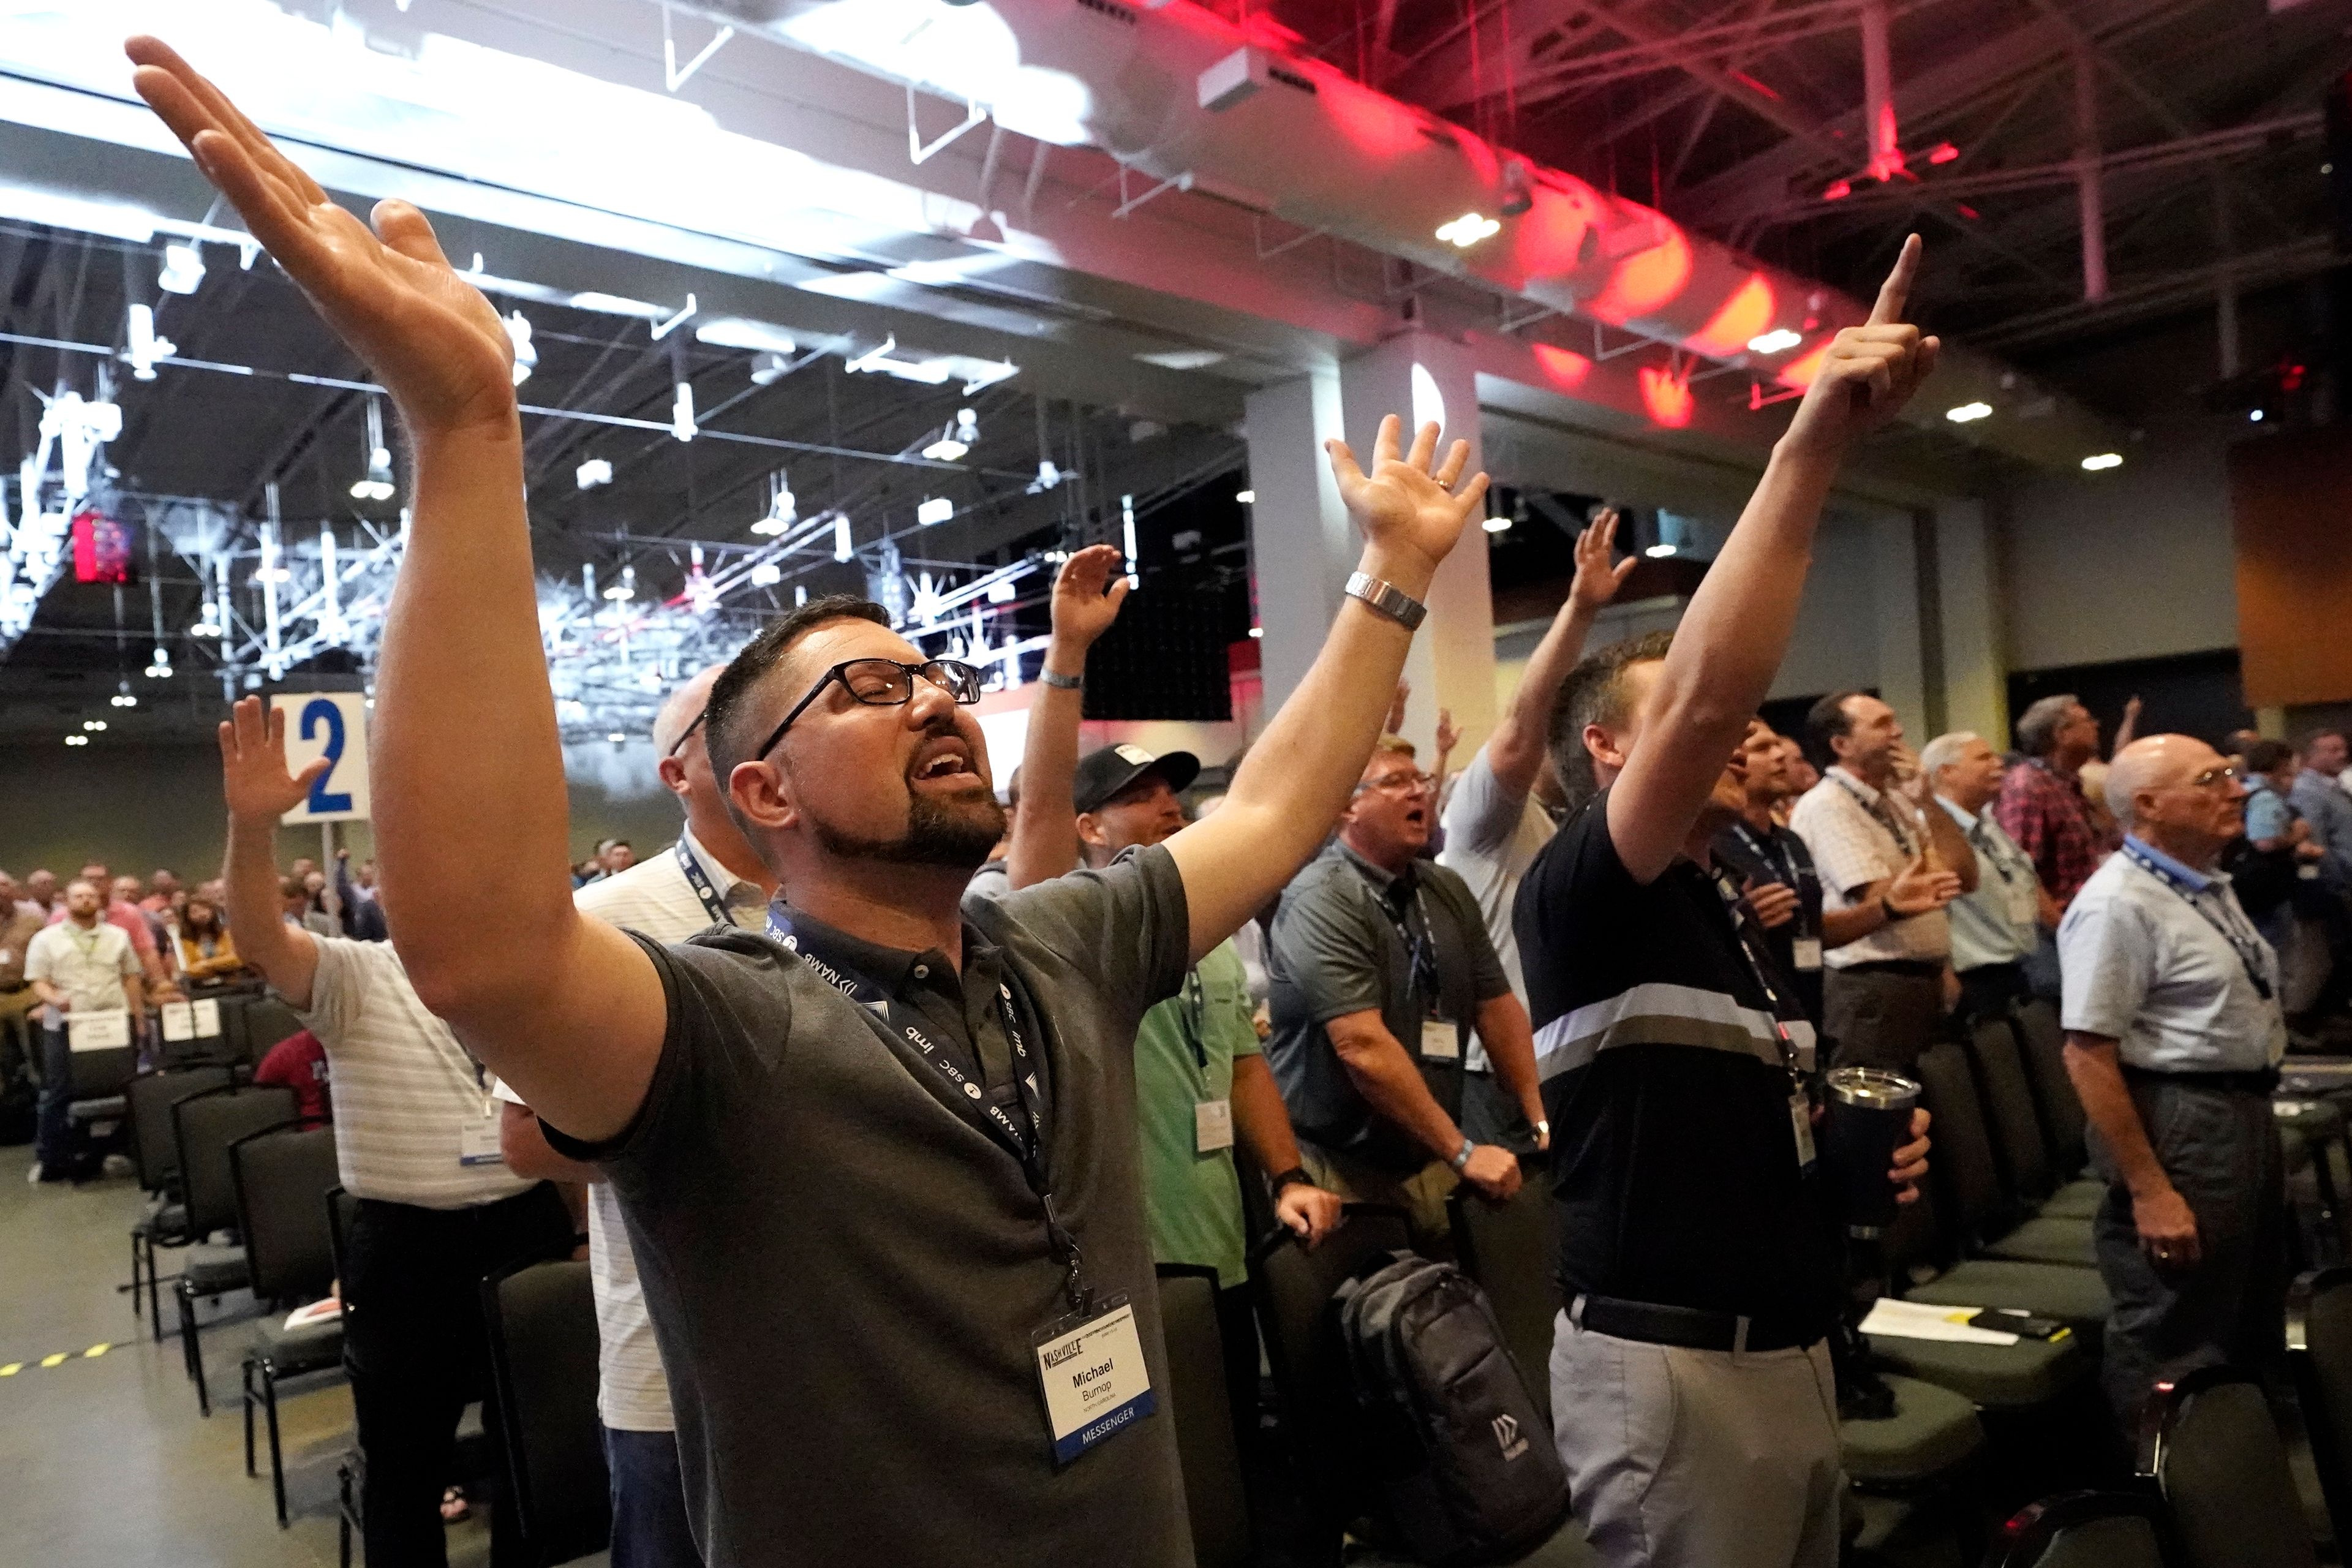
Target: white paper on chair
{"x":1922,"y":1320}
{"x":97,"y":1031}
{"x":205,"y":1016}
{"x":179,"y":1021}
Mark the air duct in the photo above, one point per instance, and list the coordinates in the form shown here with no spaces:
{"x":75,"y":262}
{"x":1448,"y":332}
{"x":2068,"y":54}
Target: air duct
{"x":1177,"y":94}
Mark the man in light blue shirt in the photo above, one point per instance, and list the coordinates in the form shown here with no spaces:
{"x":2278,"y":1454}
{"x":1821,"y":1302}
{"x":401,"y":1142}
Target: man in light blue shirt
{"x":1996,"y":928}
{"x":2326,"y":806}
{"x":2173,"y":1040}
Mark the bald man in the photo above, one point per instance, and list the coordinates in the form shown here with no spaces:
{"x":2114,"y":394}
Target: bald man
{"x":2173,"y":1040}
{"x":662,"y":897}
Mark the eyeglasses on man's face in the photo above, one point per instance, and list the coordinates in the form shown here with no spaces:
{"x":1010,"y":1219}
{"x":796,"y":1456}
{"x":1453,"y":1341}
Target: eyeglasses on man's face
{"x":883,"y":683}
{"x":686,"y":734}
{"x":2225,"y":774}
{"x":1399,"y":784}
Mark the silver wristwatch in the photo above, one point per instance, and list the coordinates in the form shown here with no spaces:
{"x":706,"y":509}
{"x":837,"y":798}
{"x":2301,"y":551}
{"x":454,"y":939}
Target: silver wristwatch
{"x":1461,"y":1161}
{"x":1387,"y":599}
{"x":1063,"y":682}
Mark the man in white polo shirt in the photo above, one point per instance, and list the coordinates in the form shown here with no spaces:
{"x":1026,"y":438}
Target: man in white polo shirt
{"x":2173,"y":1040}
{"x":81,"y":965}
{"x":416,"y":1142}
{"x":709,"y":877}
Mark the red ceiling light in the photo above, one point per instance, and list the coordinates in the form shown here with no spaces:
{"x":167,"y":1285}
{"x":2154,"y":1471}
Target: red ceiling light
{"x":1967,"y":211}
{"x":1942,"y":152}
{"x":1666,"y":394}
{"x":1837,"y":190}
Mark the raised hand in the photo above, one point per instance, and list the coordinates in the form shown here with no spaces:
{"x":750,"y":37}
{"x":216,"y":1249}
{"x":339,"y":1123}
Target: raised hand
{"x":1404,"y":506}
{"x":252,"y":765}
{"x":1448,"y":737}
{"x":1083,"y":609}
{"x":428,"y":334}
{"x":1870,"y":370}
{"x":1917,"y":891}
{"x":1394,"y":724}
{"x":1596,"y":581}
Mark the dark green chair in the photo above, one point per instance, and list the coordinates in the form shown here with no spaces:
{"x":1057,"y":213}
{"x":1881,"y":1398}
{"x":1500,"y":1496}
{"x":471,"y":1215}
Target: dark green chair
{"x":2319,"y":1350}
{"x":2043,"y":1046}
{"x":1987,"y":1215}
{"x":2209,"y":1443}
{"x":1508,"y":1249}
{"x":2087,"y":1529}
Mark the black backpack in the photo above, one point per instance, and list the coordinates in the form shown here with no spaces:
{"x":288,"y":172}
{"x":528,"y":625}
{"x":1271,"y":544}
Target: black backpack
{"x":1465,"y":1467}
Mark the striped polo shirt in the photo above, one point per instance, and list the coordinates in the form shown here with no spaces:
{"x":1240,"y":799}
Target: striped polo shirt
{"x":405,"y":1091}
{"x":1674,"y":1161}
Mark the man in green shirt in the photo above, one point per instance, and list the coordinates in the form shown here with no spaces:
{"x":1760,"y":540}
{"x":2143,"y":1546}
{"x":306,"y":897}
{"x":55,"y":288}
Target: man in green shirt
{"x":1201,"y":1083}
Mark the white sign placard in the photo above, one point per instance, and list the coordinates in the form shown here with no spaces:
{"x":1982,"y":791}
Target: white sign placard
{"x":191,"y":1020}
{"x":97,"y":1031}
{"x":330,"y":725}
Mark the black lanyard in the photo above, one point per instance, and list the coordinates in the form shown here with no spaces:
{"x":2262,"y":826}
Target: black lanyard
{"x":1025,"y":1144}
{"x":2244,"y":944}
{"x":1878,"y":814}
{"x":712,"y":904}
{"x":1195,"y":1012}
{"x":1735,"y":909}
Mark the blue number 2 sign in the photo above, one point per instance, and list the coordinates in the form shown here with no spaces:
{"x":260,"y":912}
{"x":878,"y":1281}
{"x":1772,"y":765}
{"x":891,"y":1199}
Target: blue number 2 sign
{"x":318,"y":713}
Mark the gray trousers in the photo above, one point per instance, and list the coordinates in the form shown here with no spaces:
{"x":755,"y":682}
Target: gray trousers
{"x":2221,"y":1149}
{"x":1683,"y":1458}
{"x":1880,"y":1019}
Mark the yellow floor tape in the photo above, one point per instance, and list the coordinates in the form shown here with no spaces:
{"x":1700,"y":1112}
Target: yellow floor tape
{"x":12,"y":1368}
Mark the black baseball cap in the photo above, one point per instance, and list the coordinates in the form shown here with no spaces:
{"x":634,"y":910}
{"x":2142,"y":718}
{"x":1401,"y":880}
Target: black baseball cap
{"x":1104,"y":773}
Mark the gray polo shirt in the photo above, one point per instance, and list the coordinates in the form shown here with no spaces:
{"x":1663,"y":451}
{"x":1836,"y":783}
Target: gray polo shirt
{"x":2163,"y":968}
{"x":1341,"y":946}
{"x":844,"y":1272}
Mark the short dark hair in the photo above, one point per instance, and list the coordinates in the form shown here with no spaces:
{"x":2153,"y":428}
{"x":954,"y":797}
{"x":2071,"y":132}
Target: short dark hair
{"x":2317,"y":736}
{"x":1828,"y":720}
{"x":1594,"y":693}
{"x":728,"y":715}
{"x":2264,"y":756}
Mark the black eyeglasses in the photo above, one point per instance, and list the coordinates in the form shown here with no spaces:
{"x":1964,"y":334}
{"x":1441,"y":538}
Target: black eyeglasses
{"x":686,"y":734}
{"x":883,"y":683}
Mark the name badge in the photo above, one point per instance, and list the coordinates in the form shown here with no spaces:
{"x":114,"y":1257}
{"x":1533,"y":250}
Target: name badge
{"x":478,"y":1140}
{"x":1213,"y":1125}
{"x":1800,"y":1119}
{"x":2308,"y":871}
{"x":1441,"y":1040}
{"x":1093,"y":1376}
{"x":1806,"y":951}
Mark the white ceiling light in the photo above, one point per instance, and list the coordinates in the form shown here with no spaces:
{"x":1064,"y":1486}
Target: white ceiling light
{"x":1049,"y":475}
{"x":526,"y":356}
{"x":183,"y":270}
{"x":1660,"y":552}
{"x":2101,"y":461}
{"x":144,"y":348}
{"x":93,"y":724}
{"x":1499,"y":523}
{"x":625,"y":589}
{"x":593,"y":472}
{"x":769,"y":368}
{"x":841,"y":551}
{"x":1774,"y":342}
{"x":1468,"y":229}
{"x":766,"y":574}
{"x":934,"y":508}
{"x":781,"y":507}
{"x":77,"y":740}
{"x":1247,"y":497}
{"x":1967,"y":413}
{"x":735,"y":332}
{"x":956,"y":441}
{"x":681,"y":412}
{"x":160,"y":667}
{"x":377,"y":484}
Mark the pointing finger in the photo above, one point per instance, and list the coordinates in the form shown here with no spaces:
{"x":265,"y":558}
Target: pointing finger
{"x":1895,"y":292}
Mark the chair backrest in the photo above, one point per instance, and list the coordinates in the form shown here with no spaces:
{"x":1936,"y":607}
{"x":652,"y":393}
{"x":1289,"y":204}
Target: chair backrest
{"x":1509,"y":1249}
{"x":282,"y":1175}
{"x":2209,"y":1443}
{"x":1967,"y":1179}
{"x":234,"y":1045}
{"x":2086,"y":1529}
{"x":1294,"y":1289}
{"x":2044,"y":1046}
{"x":2319,"y":1347}
{"x":2019,"y":1141}
{"x":268,"y":1021}
{"x":1198,"y":1403}
{"x":152,"y":1095}
{"x":543,"y":1323}
{"x":104,"y":1073}
{"x":203,"y":1126}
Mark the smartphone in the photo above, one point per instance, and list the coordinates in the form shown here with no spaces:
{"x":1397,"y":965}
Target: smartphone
{"x":2012,"y":1321}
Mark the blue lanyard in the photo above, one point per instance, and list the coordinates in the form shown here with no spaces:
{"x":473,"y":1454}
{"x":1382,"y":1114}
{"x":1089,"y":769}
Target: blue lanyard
{"x":712,"y":904}
{"x":1025,"y":1144}
{"x":2242,"y":943}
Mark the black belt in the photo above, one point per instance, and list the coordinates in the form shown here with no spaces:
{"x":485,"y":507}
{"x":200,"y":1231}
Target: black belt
{"x":1690,"y":1328}
{"x":1917,"y":968}
{"x":2264,"y":1082}
{"x":11,"y":990}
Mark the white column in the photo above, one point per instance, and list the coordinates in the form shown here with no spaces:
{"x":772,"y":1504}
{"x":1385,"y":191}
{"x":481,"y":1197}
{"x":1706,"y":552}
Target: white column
{"x":1302,"y":546}
{"x":1976,"y":654}
{"x":1418,"y":378}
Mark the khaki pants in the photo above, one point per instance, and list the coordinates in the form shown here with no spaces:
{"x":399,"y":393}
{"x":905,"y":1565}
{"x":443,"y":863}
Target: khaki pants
{"x":1683,"y":1458}
{"x":1419,"y":1193}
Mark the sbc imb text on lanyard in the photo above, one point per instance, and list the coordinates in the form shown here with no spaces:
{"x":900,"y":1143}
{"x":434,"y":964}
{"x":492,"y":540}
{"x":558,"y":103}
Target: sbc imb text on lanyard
{"x":1089,"y":1360}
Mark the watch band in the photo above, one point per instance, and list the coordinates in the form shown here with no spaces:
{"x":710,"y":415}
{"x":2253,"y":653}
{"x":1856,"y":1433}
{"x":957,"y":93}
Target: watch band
{"x":1387,"y":599}
{"x":1296,"y":1177}
{"x":1062,"y":682}
{"x":1461,"y":1161}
